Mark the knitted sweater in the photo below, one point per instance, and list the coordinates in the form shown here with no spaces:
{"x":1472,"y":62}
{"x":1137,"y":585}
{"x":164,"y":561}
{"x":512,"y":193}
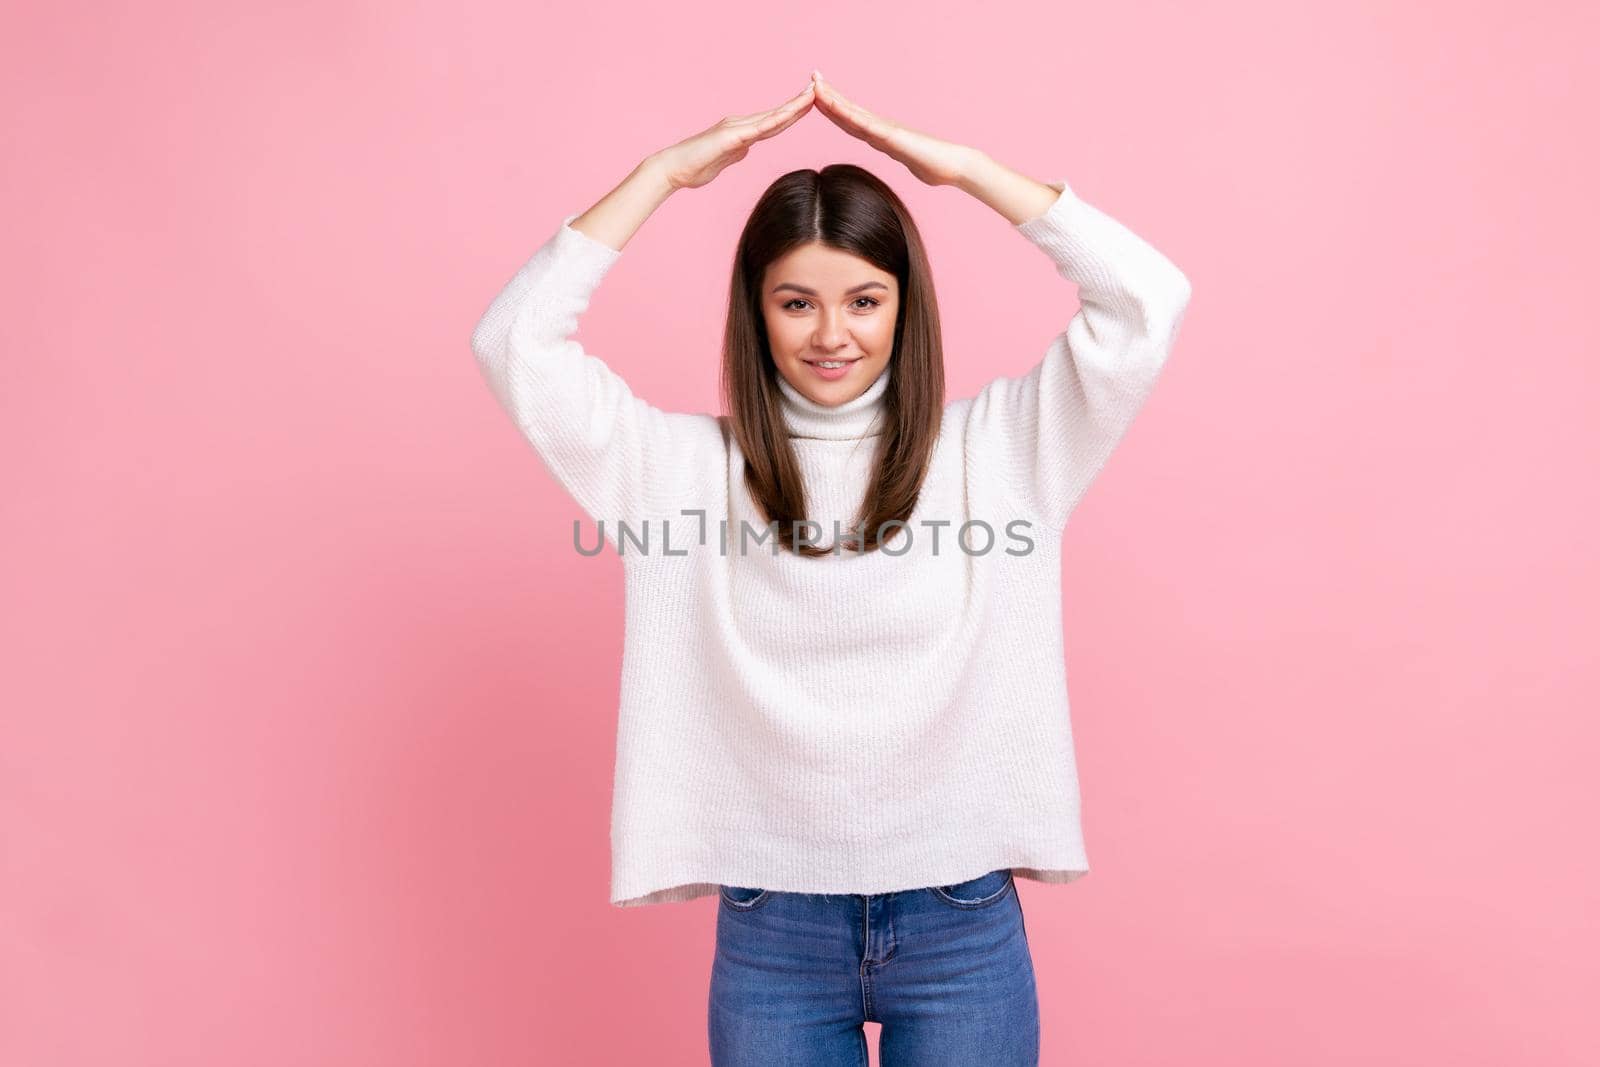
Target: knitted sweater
{"x":854,"y":722}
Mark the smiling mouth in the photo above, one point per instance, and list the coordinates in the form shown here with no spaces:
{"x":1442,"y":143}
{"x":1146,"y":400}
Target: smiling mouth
{"x":834,"y":362}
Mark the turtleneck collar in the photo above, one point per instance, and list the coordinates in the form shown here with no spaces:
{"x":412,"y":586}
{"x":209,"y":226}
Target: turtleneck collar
{"x":856,"y":417}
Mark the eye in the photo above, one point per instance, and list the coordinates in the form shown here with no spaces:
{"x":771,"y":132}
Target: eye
{"x":871,"y":303}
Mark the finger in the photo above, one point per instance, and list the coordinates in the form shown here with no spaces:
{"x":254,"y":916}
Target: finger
{"x":869,"y":124}
{"x":774,"y":122}
{"x":848,"y":127}
{"x":783,"y":122}
{"x":771,"y":127}
{"x":848,"y":123}
{"x":835,"y":107}
{"x":831,"y":92}
{"x":849,"y":107}
{"x":800,"y":103}
{"x":803,"y":96}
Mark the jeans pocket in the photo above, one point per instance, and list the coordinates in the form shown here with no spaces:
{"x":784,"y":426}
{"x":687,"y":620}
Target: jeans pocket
{"x":976,"y":892}
{"x":742,"y":898}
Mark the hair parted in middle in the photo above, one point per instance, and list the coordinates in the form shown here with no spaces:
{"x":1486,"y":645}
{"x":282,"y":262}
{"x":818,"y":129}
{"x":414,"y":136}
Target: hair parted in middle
{"x":845,"y":207}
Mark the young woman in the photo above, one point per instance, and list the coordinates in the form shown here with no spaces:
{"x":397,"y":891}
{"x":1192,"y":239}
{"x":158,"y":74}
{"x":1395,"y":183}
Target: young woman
{"x":855,"y":733}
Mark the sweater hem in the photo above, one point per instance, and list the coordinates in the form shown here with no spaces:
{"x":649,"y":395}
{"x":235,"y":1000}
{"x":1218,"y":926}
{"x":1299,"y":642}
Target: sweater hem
{"x":694,"y":889}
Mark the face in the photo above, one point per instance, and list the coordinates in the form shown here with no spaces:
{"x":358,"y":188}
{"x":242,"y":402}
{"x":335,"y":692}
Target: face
{"x":823,"y":305}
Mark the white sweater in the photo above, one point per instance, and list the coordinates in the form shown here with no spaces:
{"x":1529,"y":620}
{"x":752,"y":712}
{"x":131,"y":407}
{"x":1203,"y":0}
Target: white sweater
{"x":850,"y":723}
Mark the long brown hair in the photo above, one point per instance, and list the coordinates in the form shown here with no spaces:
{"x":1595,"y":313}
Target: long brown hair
{"x":845,"y":207}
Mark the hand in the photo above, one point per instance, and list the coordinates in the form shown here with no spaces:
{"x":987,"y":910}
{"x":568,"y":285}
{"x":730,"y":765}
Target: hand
{"x":694,"y":162}
{"x":931,"y":160}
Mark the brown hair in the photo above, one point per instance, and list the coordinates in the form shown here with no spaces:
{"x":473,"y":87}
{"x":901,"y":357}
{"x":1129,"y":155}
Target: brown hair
{"x":846,"y":207}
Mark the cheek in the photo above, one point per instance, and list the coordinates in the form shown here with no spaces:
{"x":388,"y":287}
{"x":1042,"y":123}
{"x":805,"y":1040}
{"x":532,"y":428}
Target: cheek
{"x":784,"y":336}
{"x":880,"y":335}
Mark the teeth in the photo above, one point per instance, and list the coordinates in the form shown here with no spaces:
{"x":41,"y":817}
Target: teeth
{"x":838,"y":363}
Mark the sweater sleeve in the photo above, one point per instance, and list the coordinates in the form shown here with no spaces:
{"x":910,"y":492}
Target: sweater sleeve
{"x":607,"y":447}
{"x":1055,"y":427}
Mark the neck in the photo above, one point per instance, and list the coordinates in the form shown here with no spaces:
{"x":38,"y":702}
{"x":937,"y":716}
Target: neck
{"x":860,"y":416}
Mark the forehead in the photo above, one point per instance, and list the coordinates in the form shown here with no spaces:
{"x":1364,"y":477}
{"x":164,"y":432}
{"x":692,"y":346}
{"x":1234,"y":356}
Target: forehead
{"x":828,"y":270}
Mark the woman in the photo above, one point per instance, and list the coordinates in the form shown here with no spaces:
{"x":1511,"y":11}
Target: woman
{"x":854,"y":734}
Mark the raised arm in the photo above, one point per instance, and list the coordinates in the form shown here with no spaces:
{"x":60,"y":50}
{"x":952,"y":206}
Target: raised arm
{"x":1055,"y":427}
{"x":605,"y":445}
{"x":620,"y":458}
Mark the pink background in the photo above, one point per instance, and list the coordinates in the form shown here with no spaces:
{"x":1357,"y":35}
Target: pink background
{"x":309,"y":704}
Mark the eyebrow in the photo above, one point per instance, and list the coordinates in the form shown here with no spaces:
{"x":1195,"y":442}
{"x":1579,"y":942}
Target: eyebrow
{"x":812,"y":292}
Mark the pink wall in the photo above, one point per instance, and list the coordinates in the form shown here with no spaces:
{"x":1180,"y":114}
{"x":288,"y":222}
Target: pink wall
{"x":309,"y":706}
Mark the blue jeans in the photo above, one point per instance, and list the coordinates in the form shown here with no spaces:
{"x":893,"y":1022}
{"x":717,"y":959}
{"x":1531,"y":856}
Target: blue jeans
{"x":945,"y":970}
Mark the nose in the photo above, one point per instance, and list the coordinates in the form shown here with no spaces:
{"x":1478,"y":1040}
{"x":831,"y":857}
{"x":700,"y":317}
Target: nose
{"x":831,"y":331}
